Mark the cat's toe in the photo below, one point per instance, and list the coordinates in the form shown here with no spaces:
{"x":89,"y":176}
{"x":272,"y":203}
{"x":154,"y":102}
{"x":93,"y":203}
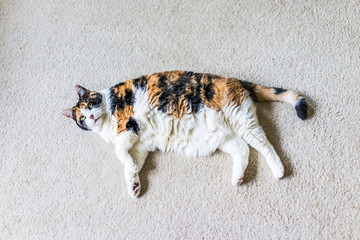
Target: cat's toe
{"x":237,"y":181}
{"x":240,"y":181}
{"x":134,"y":189}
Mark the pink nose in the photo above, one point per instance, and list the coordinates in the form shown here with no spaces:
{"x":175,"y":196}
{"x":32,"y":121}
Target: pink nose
{"x":92,"y":117}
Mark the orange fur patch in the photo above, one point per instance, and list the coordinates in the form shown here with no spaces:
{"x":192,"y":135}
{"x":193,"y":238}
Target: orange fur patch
{"x":124,"y":113}
{"x":122,"y":116}
{"x":264,"y":94}
{"x":235,"y":91}
{"x":153,"y":90}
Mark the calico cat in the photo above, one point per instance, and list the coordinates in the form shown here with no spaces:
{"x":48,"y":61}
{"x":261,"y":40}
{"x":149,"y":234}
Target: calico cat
{"x":184,"y":112}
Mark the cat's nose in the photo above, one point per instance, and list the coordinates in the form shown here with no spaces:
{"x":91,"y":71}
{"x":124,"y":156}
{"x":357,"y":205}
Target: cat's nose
{"x":92,"y":117}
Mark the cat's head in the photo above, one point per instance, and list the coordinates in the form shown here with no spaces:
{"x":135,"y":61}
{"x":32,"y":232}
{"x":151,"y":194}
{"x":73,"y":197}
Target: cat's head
{"x":88,"y":113}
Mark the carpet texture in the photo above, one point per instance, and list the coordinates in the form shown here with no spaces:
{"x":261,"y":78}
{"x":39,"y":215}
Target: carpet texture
{"x":59,"y":182}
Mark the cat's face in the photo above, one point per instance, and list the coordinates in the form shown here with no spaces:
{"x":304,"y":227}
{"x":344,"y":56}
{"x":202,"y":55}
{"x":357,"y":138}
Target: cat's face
{"x":88,"y":112}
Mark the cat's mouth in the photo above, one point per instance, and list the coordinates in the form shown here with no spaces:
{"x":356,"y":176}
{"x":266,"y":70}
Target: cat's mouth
{"x":97,"y":119}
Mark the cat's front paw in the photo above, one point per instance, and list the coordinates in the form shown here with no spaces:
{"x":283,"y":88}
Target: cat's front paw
{"x":134,"y":189}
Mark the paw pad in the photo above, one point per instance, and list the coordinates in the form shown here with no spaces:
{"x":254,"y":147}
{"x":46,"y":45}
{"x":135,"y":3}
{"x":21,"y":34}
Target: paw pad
{"x":240,"y":181}
{"x":237,"y":181}
{"x":136,"y":187}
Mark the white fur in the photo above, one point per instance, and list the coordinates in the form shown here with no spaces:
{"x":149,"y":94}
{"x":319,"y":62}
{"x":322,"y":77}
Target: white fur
{"x":194,"y":135}
{"x":290,"y":97}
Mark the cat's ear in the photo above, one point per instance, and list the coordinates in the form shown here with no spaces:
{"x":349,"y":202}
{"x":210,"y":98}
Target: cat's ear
{"x":68,"y":113}
{"x":81,"y":90}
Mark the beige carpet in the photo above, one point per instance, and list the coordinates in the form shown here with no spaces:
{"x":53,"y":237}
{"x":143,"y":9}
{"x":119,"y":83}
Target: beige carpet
{"x":59,"y":182}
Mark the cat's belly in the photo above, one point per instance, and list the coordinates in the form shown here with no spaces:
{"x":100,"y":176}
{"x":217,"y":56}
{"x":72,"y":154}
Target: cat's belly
{"x":197,"y":134}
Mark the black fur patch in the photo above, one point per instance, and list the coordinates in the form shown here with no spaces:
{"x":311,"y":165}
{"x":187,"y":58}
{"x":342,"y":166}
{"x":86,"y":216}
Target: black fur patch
{"x":115,"y":101}
{"x":208,"y":89}
{"x":84,"y":96}
{"x":73,"y":114}
{"x":96,"y":100}
{"x":164,"y":96}
{"x":129,"y":97}
{"x":82,"y":125}
{"x":279,"y":90}
{"x":132,"y":125}
{"x":195,"y":100}
{"x":179,"y":87}
{"x":301,"y":108}
{"x":250,"y":88}
{"x":140,"y":82}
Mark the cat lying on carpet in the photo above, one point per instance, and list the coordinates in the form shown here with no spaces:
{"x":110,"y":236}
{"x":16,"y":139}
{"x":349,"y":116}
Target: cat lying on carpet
{"x":184,"y":112}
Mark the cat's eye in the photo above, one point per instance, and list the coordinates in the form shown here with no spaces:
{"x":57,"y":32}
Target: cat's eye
{"x":90,"y":105}
{"x":82,"y":118}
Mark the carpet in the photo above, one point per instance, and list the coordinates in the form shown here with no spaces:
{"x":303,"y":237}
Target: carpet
{"x":59,"y":182}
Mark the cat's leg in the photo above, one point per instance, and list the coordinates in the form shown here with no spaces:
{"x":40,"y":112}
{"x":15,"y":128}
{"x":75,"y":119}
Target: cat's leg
{"x":139,"y":155}
{"x":245,"y":123}
{"x":124,"y":142}
{"x":239,"y":150}
{"x":256,"y":138}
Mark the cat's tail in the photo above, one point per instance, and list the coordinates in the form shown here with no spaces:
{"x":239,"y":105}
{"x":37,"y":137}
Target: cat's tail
{"x":269,"y":94}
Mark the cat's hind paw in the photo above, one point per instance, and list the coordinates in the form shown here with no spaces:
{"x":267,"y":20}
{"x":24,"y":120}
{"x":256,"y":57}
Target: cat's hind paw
{"x":237,"y":181}
{"x":278,"y":172}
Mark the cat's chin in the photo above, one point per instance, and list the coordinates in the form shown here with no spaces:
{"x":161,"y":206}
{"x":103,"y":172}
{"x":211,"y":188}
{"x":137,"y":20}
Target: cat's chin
{"x":98,"y":124}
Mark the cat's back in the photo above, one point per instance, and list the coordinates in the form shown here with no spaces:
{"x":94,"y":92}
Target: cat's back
{"x":179,"y":92}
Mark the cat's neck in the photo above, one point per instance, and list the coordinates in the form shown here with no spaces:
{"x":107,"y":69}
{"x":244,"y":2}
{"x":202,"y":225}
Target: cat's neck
{"x":106,"y":127}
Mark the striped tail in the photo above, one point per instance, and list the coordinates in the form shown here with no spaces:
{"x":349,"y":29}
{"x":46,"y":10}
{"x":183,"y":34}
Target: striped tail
{"x":268,"y":94}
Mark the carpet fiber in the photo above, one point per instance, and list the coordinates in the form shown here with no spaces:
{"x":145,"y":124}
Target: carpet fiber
{"x":59,"y":182}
